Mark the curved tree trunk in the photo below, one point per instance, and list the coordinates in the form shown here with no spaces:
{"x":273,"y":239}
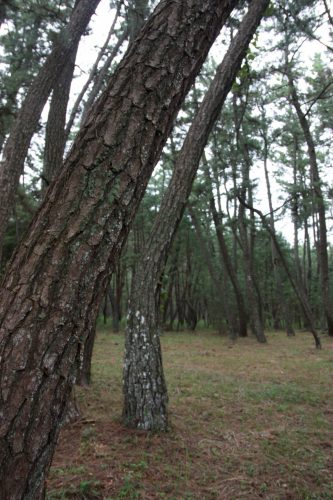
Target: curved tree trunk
{"x":242,"y":315}
{"x":63,"y":265}
{"x":84,"y":372}
{"x":255,"y":308}
{"x":144,"y":385}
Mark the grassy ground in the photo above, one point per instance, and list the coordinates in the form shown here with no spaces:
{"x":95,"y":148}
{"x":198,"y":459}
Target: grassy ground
{"x":248,"y":421}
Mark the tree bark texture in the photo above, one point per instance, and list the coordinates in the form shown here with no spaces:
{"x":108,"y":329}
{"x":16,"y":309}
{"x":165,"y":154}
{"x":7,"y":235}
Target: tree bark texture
{"x":84,"y":372}
{"x":61,"y":268}
{"x":145,"y":395}
{"x":25,"y":125}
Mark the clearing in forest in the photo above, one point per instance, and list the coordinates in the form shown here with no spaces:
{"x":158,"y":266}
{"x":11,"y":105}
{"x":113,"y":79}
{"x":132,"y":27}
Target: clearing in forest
{"x":248,"y":421}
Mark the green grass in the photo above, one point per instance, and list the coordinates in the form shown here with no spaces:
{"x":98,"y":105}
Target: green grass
{"x":246,"y":421}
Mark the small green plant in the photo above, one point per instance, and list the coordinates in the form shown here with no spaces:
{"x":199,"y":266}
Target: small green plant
{"x":89,"y":488}
{"x":129,"y":489}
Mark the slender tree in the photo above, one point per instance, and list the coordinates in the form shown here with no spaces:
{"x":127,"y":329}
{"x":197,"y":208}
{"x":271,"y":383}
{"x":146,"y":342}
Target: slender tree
{"x":145,"y":394}
{"x":319,"y":201}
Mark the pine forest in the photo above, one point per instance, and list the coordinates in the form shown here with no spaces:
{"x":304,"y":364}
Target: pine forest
{"x":166,"y":249}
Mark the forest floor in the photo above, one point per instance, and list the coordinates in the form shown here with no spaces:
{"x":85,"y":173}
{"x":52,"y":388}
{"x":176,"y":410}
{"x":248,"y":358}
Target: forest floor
{"x":248,"y":421}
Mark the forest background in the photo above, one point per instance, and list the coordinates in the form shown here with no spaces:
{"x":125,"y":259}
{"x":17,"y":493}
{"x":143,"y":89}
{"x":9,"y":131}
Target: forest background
{"x":229,"y":268}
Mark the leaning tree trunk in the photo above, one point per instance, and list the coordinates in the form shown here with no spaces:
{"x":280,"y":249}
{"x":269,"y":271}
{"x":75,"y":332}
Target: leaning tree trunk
{"x":25,"y":125}
{"x":242,"y":320}
{"x":62,"y":266}
{"x":84,"y":372}
{"x":144,"y":386}
{"x":251,"y":285}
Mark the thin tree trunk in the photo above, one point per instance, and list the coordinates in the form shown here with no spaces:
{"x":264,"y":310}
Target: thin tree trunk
{"x":25,"y":125}
{"x":217,"y":282}
{"x":93,"y":72}
{"x":296,"y":287}
{"x":145,"y":394}
{"x":62,"y":266}
{"x":247,"y":249}
{"x":279,"y":290}
{"x":318,"y":201}
{"x":100,"y":81}
{"x":55,"y":139}
{"x":227,"y":261}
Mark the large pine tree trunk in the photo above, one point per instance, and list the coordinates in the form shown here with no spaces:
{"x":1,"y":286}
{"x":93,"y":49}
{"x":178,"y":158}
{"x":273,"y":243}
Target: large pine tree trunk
{"x":144,"y":385}
{"x":62,"y":266}
{"x":25,"y":125}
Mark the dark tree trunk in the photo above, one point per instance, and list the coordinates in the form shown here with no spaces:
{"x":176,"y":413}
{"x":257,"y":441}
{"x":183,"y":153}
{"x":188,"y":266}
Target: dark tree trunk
{"x":144,"y":386}
{"x":25,"y":125}
{"x":62,"y":266}
{"x":84,"y":368}
{"x":84,"y":373}
{"x":254,"y":303}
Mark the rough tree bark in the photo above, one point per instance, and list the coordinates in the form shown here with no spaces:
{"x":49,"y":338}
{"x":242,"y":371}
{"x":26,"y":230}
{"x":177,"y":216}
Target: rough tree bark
{"x":25,"y":125}
{"x":145,"y":394}
{"x":61,"y":268}
{"x":84,"y":373}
